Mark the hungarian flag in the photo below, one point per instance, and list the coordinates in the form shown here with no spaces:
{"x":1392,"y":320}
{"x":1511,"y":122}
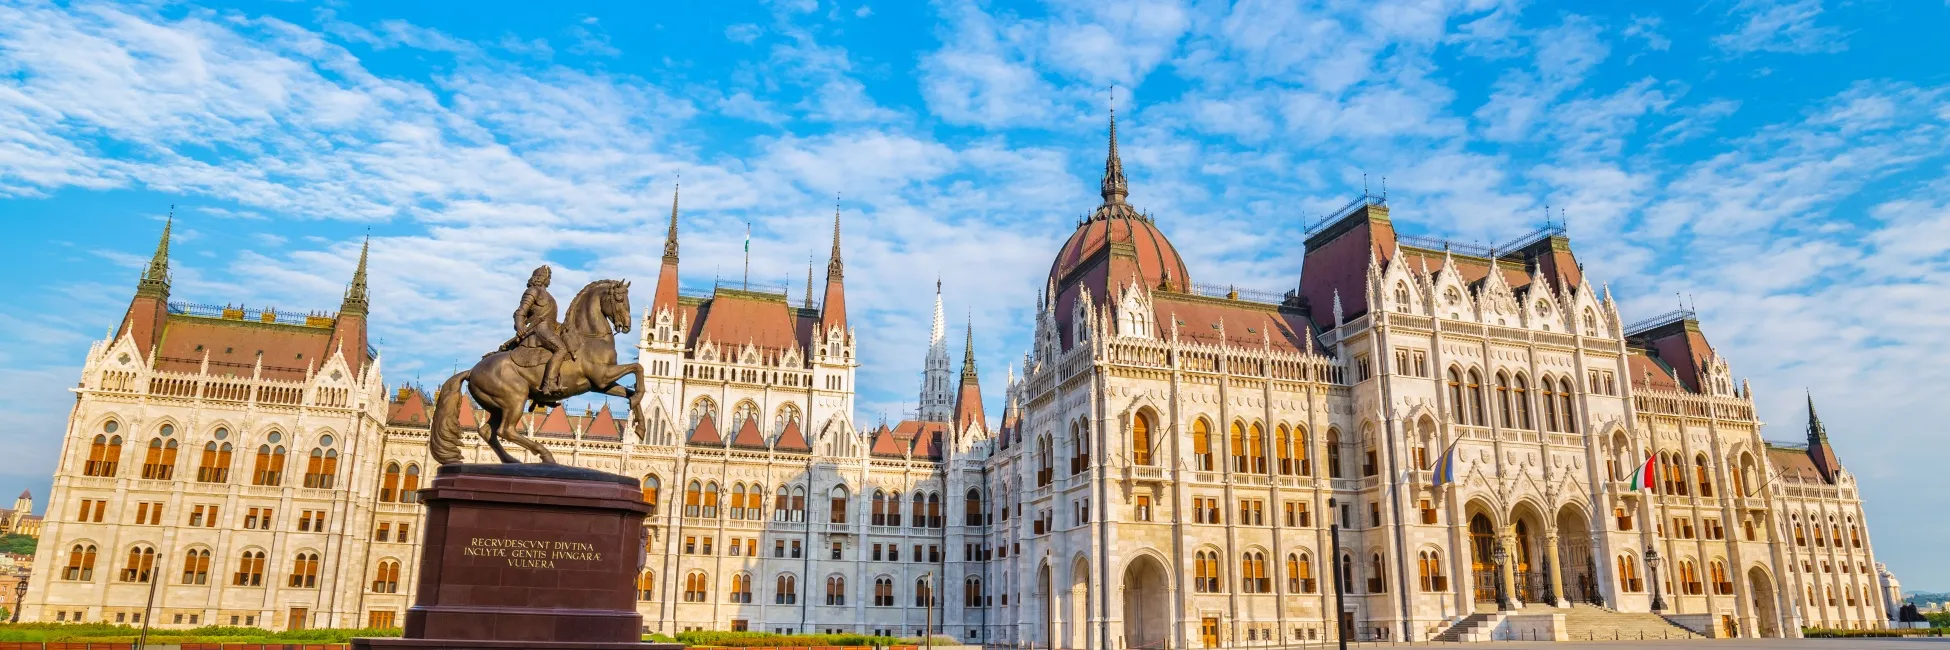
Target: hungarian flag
{"x":1445,"y":465}
{"x":1642,"y":479}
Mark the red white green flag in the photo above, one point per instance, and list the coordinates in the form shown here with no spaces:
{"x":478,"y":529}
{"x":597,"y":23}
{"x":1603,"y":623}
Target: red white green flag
{"x":1642,"y":479}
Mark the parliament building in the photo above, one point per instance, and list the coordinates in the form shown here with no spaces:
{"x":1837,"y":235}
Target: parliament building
{"x":1170,"y":470}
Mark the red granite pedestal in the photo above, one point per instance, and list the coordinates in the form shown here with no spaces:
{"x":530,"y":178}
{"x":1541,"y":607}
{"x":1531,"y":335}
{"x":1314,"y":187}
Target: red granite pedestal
{"x":527,"y":556}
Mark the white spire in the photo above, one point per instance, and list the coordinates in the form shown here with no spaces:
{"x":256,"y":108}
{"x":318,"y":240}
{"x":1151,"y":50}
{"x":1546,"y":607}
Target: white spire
{"x":938,"y":382}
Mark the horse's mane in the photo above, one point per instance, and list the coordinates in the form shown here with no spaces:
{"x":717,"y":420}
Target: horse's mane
{"x":579,"y":303}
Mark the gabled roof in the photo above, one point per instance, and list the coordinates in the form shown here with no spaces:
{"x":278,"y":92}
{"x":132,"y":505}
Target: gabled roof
{"x":792,"y":439}
{"x":1238,"y":323}
{"x":748,"y":435}
{"x":735,"y":318}
{"x":236,"y":347}
{"x":706,"y":433}
{"x":923,"y":438}
{"x":604,"y":426}
{"x":556,"y":424}
{"x":884,"y":444}
{"x":408,"y":408}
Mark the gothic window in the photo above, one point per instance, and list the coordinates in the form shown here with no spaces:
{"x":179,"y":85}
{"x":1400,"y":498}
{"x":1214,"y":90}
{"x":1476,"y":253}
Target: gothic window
{"x":409,"y":489}
{"x":1476,"y":415}
{"x":322,"y":469}
{"x":694,"y":499}
{"x":160,"y":463}
{"x":1564,"y":404}
{"x":1046,"y":460}
{"x":1377,"y":575}
{"x":1283,"y":449}
{"x":1205,"y":566}
{"x":1370,"y":460}
{"x":304,"y":571}
{"x":214,"y":467}
{"x":786,"y":591}
{"x":196,"y":567}
{"x":836,"y":590}
{"x":104,"y":453}
{"x":879,"y":508}
{"x":709,"y":509}
{"x":1628,"y":574}
{"x":923,"y":593}
{"x":971,"y":592}
{"x":81,"y":563}
{"x":973,"y":503}
{"x":652,"y":487}
{"x":1237,"y":447}
{"x":1252,"y":573}
{"x":1302,"y":570}
{"x":798,"y":503}
{"x":934,"y":510}
{"x":1505,"y":411}
{"x":1401,"y":296}
{"x":1080,"y":437}
{"x":1141,"y":439}
{"x":787,"y":414}
{"x":1521,"y":397}
{"x":1456,"y":410}
{"x":883,"y":592}
{"x":1590,"y":323}
{"x":1704,"y":477}
{"x":250,"y":570}
{"x":695,"y":586}
{"x":737,"y":504}
{"x":701,"y":408}
{"x":646,"y":585}
{"x":1334,"y":453}
{"x":1303,"y":451}
{"x":838,"y":508}
{"x":1429,"y":568}
{"x":269,"y":467}
{"x":1256,"y":448}
{"x":1201,"y":445}
{"x":747,"y":410}
{"x":141,"y":565}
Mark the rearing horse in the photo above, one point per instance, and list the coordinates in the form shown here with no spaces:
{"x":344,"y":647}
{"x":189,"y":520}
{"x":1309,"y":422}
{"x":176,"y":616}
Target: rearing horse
{"x":505,"y":382}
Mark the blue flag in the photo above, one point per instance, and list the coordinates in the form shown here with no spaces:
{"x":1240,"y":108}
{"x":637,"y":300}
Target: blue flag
{"x":1445,"y":465}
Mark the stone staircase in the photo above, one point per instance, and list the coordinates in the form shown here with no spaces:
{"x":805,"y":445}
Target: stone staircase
{"x":1476,"y":627}
{"x":1584,"y":622}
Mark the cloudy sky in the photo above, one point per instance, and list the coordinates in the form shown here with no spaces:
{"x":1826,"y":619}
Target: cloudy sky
{"x":1782,"y":163}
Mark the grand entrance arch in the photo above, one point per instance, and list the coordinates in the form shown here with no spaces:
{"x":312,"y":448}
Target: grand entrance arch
{"x":1575,"y":565}
{"x":1077,"y":626}
{"x":1482,"y":565}
{"x":1147,"y":604}
{"x":1766,"y":615}
{"x":1047,"y":635}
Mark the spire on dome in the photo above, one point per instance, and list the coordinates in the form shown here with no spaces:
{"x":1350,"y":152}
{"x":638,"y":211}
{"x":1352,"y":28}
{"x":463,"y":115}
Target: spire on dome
{"x":835,"y":267}
{"x":155,"y":278}
{"x":833,"y":306}
{"x":968,"y":403}
{"x":940,"y":330}
{"x":1819,"y":450}
{"x":809,"y":277}
{"x":1115,"y":187}
{"x":670,"y":237}
{"x":968,"y":356}
{"x":357,"y":299}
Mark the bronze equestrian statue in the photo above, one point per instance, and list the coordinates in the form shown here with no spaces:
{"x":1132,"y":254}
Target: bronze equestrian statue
{"x":544,"y":364}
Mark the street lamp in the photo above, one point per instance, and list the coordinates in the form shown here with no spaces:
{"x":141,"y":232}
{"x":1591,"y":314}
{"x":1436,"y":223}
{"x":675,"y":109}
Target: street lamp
{"x":927,"y":627}
{"x":1341,"y":628}
{"x":1652,"y":569}
{"x":20,"y":595}
{"x":1501,"y":555}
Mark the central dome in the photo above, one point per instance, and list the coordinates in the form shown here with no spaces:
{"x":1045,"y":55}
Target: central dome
{"x":1116,"y":222}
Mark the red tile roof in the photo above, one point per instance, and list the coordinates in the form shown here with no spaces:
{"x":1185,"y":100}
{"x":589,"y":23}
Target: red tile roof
{"x":706,"y":433}
{"x":556,"y":424}
{"x":924,"y":438}
{"x":604,"y":426}
{"x":1246,"y":324}
{"x":748,"y":435}
{"x":235,"y":347}
{"x":792,"y":439}
{"x":884,"y":444}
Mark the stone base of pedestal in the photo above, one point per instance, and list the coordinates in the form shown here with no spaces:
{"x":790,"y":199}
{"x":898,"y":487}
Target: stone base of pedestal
{"x":527,"y":556}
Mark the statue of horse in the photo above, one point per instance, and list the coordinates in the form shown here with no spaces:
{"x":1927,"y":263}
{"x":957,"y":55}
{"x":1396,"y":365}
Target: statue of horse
{"x":506,"y":382}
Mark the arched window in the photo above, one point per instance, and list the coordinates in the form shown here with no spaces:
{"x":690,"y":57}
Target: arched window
{"x":1564,"y":404}
{"x":1377,"y":575}
{"x":1550,"y":406}
{"x":836,"y":590}
{"x":1704,"y":474}
{"x":741,"y":588}
{"x":695,"y":587}
{"x":1256,"y":448}
{"x":798,"y":503}
{"x":1401,"y":296}
{"x":879,"y":508}
{"x":1080,"y":433}
{"x":215,"y":464}
{"x":1628,"y":574}
{"x":787,"y":590}
{"x":160,"y":463}
{"x":1303,"y":451}
{"x":694,"y":499}
{"x":269,"y":468}
{"x":1347,"y":573}
{"x":1046,"y":461}
{"x":250,"y":570}
{"x":141,"y":566}
{"x":1506,"y":412}
{"x":1717,"y":572}
{"x":321,"y":470}
{"x":923,"y":593}
{"x":883,"y":592}
{"x":1305,"y":573}
{"x":1205,"y":568}
{"x":646,"y":585}
{"x":1201,"y":445}
{"x":1476,"y":415}
{"x":1429,"y":568}
{"x":409,"y":488}
{"x":1252,"y":574}
{"x":973,"y":503}
{"x":1458,"y":413}
{"x":81,"y":563}
{"x":838,"y":504}
{"x":1370,"y":460}
{"x":1237,"y":447}
{"x":389,"y":485}
{"x":738,"y":501}
{"x":971,"y":595}
{"x":709,"y":510}
{"x":894,"y":509}
{"x":1590,"y":323}
{"x":1283,"y":449}
{"x":304,"y":571}
{"x":1334,"y":453}
{"x":1854,"y":536}
{"x":1521,"y":396}
{"x":652,"y":487}
{"x":1141,"y":439}
{"x":934,"y":510}
{"x":196,"y":567}
{"x":104,"y":453}
{"x":1689,"y":577}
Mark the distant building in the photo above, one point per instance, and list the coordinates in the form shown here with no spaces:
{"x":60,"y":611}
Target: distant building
{"x":21,"y":520}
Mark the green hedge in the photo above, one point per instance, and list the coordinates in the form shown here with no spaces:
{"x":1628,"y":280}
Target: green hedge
{"x":105,"y":632}
{"x":767,"y":639}
{"x":1827,"y":633}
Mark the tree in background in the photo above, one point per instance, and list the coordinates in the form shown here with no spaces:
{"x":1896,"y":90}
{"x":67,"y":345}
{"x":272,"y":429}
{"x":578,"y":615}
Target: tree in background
{"x":20,"y":544}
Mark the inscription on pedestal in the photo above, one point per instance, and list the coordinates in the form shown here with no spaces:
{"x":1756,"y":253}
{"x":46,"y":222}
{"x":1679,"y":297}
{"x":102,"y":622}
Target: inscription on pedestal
{"x":533,"y":553}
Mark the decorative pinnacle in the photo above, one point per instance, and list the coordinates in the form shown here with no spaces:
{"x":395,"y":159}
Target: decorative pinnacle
{"x":356,"y":293}
{"x":809,"y":276}
{"x":1115,"y":187}
{"x":968,"y":356}
{"x":1817,"y":434}
{"x":835,"y":267}
{"x":155,"y":279}
{"x":670,"y":238}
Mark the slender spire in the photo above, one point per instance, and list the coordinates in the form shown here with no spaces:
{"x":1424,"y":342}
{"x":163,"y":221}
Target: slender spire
{"x":968,"y":356}
{"x":809,"y":278}
{"x":835,"y":267}
{"x":1115,"y":187}
{"x":356,"y":296}
{"x":940,"y":330}
{"x":1817,"y":434}
{"x":155,"y":278}
{"x":670,"y":238}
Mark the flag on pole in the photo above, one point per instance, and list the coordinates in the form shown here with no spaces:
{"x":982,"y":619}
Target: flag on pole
{"x":1445,"y":465}
{"x":1642,"y":479}
{"x":748,"y":236}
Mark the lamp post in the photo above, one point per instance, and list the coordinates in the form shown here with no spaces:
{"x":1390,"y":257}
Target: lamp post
{"x":20,"y":596}
{"x":1652,"y":569}
{"x":1500,"y":556}
{"x":1340,"y":589}
{"x":927,"y":626}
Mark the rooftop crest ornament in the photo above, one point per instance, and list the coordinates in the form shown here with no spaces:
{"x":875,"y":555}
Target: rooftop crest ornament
{"x":544,"y":364}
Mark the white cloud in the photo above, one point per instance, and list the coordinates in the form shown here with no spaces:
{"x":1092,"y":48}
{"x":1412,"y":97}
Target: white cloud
{"x":743,"y":32}
{"x":1780,"y":26}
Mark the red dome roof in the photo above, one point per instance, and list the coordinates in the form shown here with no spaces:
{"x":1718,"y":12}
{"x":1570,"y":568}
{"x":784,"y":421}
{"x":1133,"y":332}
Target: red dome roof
{"x":1156,"y":258}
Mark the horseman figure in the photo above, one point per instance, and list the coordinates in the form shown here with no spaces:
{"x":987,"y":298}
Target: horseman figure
{"x":536,"y":325}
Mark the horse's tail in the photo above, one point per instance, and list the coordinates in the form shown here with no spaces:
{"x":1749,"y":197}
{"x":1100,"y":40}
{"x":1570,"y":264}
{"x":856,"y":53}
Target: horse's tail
{"x":444,"y":443}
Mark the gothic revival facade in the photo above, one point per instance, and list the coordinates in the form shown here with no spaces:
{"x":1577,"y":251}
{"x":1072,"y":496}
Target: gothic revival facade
{"x":1172,"y":469}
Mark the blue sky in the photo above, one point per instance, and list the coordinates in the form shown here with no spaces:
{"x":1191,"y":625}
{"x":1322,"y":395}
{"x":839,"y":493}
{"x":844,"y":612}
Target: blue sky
{"x":1781,"y":162}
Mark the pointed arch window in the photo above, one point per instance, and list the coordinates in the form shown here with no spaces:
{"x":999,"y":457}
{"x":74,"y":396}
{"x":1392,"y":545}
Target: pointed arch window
{"x":1704,"y":476}
{"x":836,"y":590}
{"x":1401,"y":296}
{"x":104,"y":453}
{"x":409,"y":488}
{"x":1141,"y":439}
{"x":1590,"y":321}
{"x":1202,"y":445}
{"x":1457,"y":413}
{"x":1377,"y":575}
{"x":389,"y":484}
{"x":1564,"y":404}
{"x":1303,"y":451}
{"x":141,"y":566}
{"x":879,"y":508}
{"x":250,"y":570}
{"x":81,"y":563}
{"x":160,"y":463}
{"x":711,"y":495}
{"x":385,"y":577}
{"x":269,"y":467}
{"x":1283,"y":449}
{"x":1521,"y":397}
{"x":971,"y":592}
{"x":1205,"y":565}
{"x":646,"y":585}
{"x":1505,"y":411}
{"x":652,"y":489}
{"x":924,"y":593}
{"x":304,"y":571}
{"x":1237,"y":447}
{"x":695,"y":586}
{"x":214,"y":466}
{"x":838,"y":509}
{"x":973,"y":503}
{"x":1303,"y":571}
{"x":1252,"y":574}
{"x":694,"y":499}
{"x":1429,"y":568}
{"x":738,"y":501}
{"x":883,"y":592}
{"x":1476,"y":415}
{"x":1334,"y":453}
{"x":196,"y":567}
{"x":321,"y":470}
{"x":786,"y":590}
{"x":1256,"y":448}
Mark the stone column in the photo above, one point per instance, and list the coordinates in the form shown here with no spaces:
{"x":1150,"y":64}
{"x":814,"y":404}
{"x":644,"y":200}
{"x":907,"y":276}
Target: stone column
{"x":1556,"y":570}
{"x":1509,"y":569}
